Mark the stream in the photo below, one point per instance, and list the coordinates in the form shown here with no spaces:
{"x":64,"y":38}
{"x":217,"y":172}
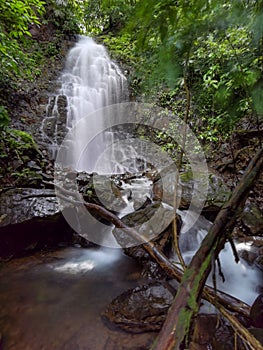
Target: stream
{"x":53,"y":300}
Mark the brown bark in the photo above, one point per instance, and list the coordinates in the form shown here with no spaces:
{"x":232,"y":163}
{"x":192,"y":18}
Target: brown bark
{"x":177,"y":327}
{"x":248,"y":134}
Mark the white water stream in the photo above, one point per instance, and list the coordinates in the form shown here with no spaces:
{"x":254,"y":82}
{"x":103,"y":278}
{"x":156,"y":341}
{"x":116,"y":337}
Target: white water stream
{"x":90,"y":82}
{"x":241,"y":280}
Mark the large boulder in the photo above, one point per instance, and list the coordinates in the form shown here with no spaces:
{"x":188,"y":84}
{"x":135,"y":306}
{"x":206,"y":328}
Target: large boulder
{"x":218,"y":193}
{"x":141,"y":309}
{"x":153,"y":222}
{"x":30,"y":219}
{"x":144,"y":309}
{"x":149,"y":222}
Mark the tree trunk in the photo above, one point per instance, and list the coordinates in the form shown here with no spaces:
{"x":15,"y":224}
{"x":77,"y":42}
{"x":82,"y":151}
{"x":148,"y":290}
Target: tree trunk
{"x":175,"y":333}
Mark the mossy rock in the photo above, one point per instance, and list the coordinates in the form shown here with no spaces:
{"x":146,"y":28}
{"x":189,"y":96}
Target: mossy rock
{"x":252,"y":219}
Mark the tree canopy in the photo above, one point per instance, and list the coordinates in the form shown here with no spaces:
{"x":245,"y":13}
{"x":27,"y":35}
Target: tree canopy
{"x":15,"y":18}
{"x":213,"y":48}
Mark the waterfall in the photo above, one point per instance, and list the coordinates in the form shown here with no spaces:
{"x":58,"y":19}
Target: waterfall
{"x":90,"y":82}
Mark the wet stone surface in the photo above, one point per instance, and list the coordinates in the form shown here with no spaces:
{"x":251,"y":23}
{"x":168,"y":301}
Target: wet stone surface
{"x":30,"y":220}
{"x":252,"y":220}
{"x":141,"y":309}
{"x":23,"y":204}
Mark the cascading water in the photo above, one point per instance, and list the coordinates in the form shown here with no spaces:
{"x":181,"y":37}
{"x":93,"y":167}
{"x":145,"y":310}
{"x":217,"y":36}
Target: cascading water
{"x":90,"y":82}
{"x":241,"y":280}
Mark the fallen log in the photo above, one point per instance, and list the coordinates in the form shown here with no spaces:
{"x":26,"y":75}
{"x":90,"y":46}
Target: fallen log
{"x":175,"y":333}
{"x":173,"y":271}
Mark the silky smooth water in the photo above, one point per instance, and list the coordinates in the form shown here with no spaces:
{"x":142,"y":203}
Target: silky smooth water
{"x":80,"y":287}
{"x":89,"y":82}
{"x":241,"y":280}
{"x":53,"y":301}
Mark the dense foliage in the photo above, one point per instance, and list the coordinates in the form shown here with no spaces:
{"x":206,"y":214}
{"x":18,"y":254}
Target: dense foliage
{"x":202,"y":54}
{"x":211,"y":48}
{"x":15,"y":18}
{"x":18,"y":53}
{"x":21,"y":56}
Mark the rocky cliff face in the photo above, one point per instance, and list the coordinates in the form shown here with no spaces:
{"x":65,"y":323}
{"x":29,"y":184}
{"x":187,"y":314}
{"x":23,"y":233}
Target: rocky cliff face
{"x":28,"y":105}
{"x":22,"y":159}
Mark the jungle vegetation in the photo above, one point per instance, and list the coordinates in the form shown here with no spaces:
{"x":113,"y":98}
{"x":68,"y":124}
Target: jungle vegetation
{"x":211,"y":51}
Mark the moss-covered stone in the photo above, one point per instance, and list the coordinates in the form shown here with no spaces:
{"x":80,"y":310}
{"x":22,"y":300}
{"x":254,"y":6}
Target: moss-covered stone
{"x":252,"y":219}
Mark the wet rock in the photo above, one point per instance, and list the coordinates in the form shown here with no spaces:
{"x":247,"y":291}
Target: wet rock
{"x":150,"y":269}
{"x":24,"y":204}
{"x":163,"y":187}
{"x":141,"y":309}
{"x":145,"y":308}
{"x":163,"y":241}
{"x":252,"y":219}
{"x":251,"y":250}
{"x":30,"y":219}
{"x":83,"y":179}
{"x":248,"y":255}
{"x":108,"y":194}
{"x":218,"y":193}
{"x":33,"y":165}
{"x":259,"y":262}
{"x":205,"y":327}
{"x":212,"y":333}
{"x":258,"y":243}
{"x":61,"y":118}
{"x":223,"y":338}
{"x":256,"y":312}
{"x":105,"y":190}
{"x":149,"y":222}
